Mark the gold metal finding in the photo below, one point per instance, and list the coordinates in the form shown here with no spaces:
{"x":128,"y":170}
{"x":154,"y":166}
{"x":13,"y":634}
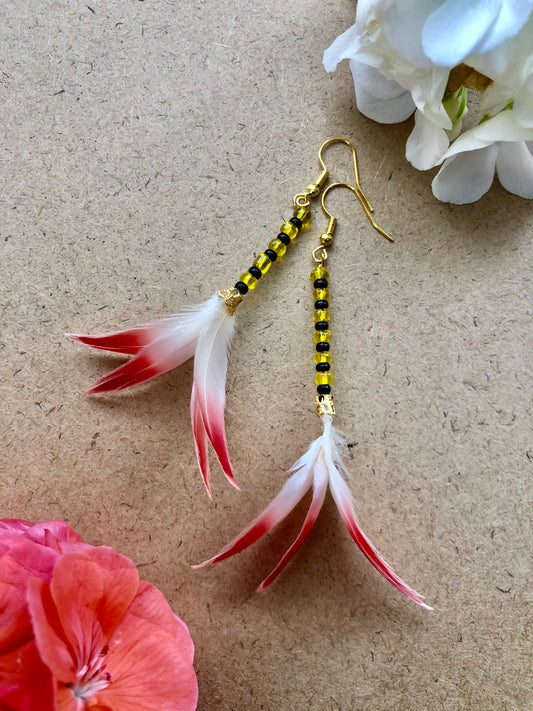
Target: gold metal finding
{"x":338,"y":139}
{"x":232,"y":298}
{"x":324,"y":405}
{"x":320,"y":255}
{"x":364,"y":204}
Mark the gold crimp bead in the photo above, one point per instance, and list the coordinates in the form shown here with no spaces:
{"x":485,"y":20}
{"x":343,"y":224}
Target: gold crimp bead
{"x":324,"y":405}
{"x":232,"y":298}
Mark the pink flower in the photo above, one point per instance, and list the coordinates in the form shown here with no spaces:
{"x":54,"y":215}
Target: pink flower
{"x":25,"y":682}
{"x":79,"y":631}
{"x":204,"y":331}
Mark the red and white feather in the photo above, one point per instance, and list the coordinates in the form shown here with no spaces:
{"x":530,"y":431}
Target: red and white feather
{"x":204,"y":331}
{"x":319,"y":467}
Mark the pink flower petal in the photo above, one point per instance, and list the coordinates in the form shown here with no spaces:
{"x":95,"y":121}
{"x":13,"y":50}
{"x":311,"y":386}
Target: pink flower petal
{"x":320,"y":486}
{"x":14,"y":525}
{"x":148,"y":672}
{"x":291,"y":493}
{"x":53,"y":533}
{"x":151,"y":606}
{"x":26,"y":684}
{"x":52,"y":643}
{"x":15,"y":623}
{"x":343,"y":499}
{"x":19,"y":561}
{"x":92,"y":591}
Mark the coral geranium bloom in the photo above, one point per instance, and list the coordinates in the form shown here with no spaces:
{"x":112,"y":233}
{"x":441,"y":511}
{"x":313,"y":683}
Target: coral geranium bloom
{"x":25,"y":682}
{"x":110,"y":641}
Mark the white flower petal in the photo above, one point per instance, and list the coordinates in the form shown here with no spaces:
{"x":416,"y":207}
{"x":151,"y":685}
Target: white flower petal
{"x":373,"y":81}
{"x":512,"y":17}
{"x":403,"y":23}
{"x":344,"y":47}
{"x":523,"y":105}
{"x":388,"y":102}
{"x":427,"y":143}
{"x":502,"y":127}
{"x":454,"y":30}
{"x":465,"y":177}
{"x":514,"y":166}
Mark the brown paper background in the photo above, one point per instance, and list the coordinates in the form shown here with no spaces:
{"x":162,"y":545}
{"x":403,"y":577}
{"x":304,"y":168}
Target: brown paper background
{"x":149,"y":150}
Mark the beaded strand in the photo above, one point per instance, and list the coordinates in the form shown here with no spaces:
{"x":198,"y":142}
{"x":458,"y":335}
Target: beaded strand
{"x":276,"y":248}
{"x":322,"y":334}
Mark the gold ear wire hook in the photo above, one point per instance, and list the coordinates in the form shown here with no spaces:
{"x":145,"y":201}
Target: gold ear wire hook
{"x":365,"y":202}
{"x":327,"y":238}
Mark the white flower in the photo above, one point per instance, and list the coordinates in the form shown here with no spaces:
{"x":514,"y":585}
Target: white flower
{"x":383,"y":77}
{"x":405,"y":55}
{"x":499,"y":144}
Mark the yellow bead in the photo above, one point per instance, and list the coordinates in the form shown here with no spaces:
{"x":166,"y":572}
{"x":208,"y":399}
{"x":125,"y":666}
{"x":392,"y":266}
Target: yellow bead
{"x":319,"y":273}
{"x":289,"y":229}
{"x":277,"y":246}
{"x":324,"y":378}
{"x":249,"y":280}
{"x":324,"y":357}
{"x":263,"y":263}
{"x":321,"y":315}
{"x":320,"y":294}
{"x":304,"y":215}
{"x":322,"y":336}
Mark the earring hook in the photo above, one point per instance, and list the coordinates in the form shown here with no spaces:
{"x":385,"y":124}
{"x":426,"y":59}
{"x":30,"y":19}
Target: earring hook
{"x":365,"y":202}
{"x":332,"y":220}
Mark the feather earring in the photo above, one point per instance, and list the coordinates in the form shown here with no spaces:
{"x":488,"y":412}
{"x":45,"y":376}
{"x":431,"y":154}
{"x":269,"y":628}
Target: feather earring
{"x":205,"y":332}
{"x":321,"y":466}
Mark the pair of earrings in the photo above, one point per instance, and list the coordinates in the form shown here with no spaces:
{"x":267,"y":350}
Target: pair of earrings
{"x":205,"y":331}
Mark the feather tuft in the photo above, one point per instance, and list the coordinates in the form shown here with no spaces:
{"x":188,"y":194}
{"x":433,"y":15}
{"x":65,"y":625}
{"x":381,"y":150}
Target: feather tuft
{"x":321,"y":465}
{"x":204,"y":331}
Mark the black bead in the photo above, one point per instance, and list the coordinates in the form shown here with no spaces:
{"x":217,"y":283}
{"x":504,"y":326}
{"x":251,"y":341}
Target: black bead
{"x":323,"y":389}
{"x":271,"y":254}
{"x":321,"y":304}
{"x":322,"y":367}
{"x":296,"y":221}
{"x":254,"y":271}
{"x":241,"y":287}
{"x":321,"y":326}
{"x":320,"y":283}
{"x":322,"y":346}
{"x":284,"y":238}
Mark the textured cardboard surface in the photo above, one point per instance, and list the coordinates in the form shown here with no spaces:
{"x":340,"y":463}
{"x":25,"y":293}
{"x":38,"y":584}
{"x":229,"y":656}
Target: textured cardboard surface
{"x":149,"y":150}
